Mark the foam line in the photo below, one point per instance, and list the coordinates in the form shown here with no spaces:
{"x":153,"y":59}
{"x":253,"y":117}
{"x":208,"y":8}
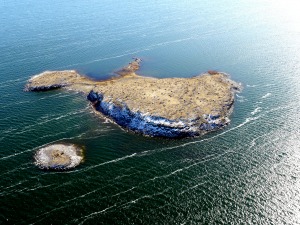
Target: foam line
{"x":91,"y":215}
{"x":16,"y":169}
{"x":55,"y":117}
{"x":149,"y":152}
{"x":129,"y":52}
{"x":10,"y":81}
{"x":256,"y":110}
{"x":191,"y":188}
{"x":32,"y":149}
{"x":13,"y":155}
{"x":111,"y":161}
{"x":266,"y":95}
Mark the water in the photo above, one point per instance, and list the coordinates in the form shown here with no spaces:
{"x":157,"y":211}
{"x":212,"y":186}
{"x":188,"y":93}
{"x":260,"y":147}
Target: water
{"x":247,"y":173}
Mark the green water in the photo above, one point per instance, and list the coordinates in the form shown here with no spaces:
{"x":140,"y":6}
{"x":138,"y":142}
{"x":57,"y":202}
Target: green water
{"x":247,"y":173}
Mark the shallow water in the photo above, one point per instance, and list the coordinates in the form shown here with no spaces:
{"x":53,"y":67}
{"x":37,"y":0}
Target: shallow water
{"x":247,"y":173}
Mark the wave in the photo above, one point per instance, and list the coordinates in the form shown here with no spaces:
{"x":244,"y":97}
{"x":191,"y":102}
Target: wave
{"x":44,"y":121}
{"x":12,"y":82}
{"x":16,"y":103}
{"x":16,"y":154}
{"x":191,"y":188}
{"x":21,"y":167}
{"x":256,"y":110}
{"x":91,"y":215}
{"x":179,"y":170}
{"x":268,"y":85}
{"x":254,"y":85}
{"x":148,"y":152}
{"x":24,"y":190}
{"x":109,"y":162}
{"x":14,"y":185}
{"x":139,"y":154}
{"x":266,"y":95}
{"x":129,"y":52}
{"x":32,"y":149}
{"x":241,"y":98}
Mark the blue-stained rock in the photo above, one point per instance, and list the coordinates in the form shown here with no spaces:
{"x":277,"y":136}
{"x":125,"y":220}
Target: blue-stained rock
{"x":213,"y":117}
{"x":94,"y":96}
{"x":209,"y":126}
{"x":154,"y":126}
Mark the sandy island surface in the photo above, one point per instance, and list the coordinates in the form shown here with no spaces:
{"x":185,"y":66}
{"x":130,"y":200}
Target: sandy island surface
{"x":193,"y":105}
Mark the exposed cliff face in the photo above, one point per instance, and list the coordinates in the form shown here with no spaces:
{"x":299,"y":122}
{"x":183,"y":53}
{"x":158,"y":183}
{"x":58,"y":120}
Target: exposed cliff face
{"x":156,"y":126}
{"x":171,"y":107}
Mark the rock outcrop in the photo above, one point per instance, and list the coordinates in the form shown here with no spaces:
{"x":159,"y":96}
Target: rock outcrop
{"x":59,"y":156}
{"x":170,"y":107}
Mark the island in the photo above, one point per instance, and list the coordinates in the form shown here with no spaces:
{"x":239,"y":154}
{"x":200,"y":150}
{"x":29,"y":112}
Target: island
{"x":59,"y":156}
{"x":156,"y":107}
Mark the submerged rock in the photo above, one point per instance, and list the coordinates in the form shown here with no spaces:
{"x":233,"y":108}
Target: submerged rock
{"x":59,"y":156}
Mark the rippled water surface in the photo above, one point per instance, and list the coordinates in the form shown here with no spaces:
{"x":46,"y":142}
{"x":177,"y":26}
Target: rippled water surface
{"x":248,"y":173}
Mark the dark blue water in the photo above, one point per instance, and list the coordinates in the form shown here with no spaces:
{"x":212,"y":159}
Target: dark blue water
{"x":247,"y":173}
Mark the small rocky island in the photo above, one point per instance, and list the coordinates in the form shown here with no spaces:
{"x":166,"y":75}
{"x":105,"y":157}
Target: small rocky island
{"x":168,"y":107}
{"x":59,"y":156}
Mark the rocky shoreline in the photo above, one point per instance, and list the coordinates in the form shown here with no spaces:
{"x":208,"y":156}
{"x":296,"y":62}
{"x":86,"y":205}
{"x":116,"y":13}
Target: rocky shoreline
{"x":170,"y":107}
{"x":155,"y":126}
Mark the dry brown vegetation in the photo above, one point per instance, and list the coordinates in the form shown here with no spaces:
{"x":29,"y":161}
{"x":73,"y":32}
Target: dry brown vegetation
{"x":172,"y":98}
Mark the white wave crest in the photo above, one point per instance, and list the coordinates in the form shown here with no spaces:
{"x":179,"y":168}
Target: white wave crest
{"x":257,"y":110}
{"x":266,"y":95}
